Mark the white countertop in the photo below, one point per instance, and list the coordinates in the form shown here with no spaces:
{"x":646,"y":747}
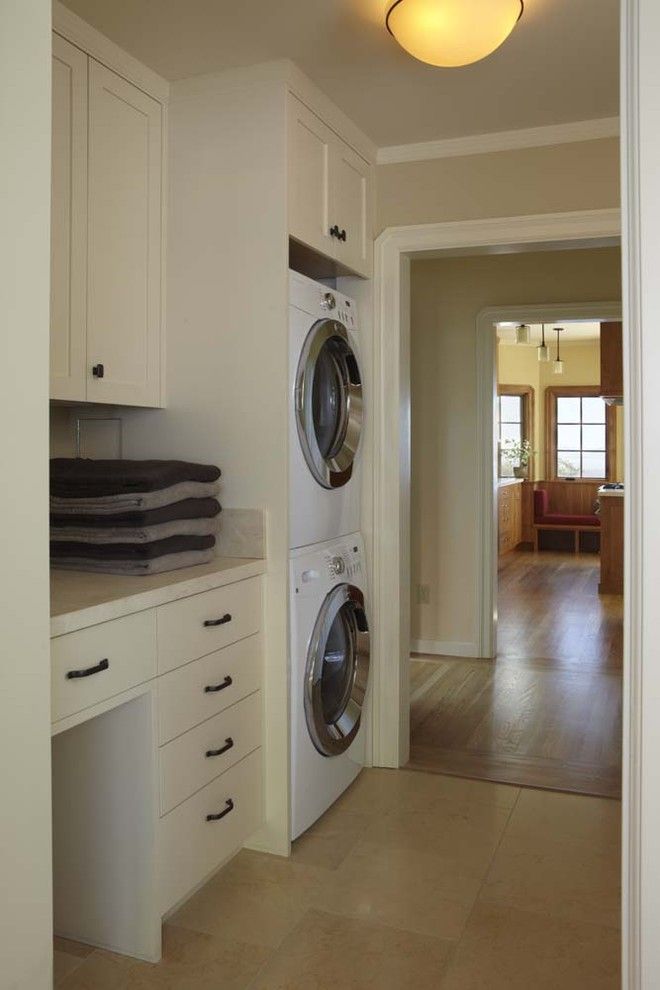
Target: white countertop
{"x":79,"y":599}
{"x":611,"y":493}
{"x":503,"y":482}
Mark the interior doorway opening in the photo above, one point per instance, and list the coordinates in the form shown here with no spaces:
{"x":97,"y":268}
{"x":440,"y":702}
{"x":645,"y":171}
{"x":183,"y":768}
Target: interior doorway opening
{"x":546,"y":712}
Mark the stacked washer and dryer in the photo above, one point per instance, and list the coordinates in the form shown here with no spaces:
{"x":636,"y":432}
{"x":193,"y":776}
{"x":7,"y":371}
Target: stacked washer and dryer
{"x":329,"y":645}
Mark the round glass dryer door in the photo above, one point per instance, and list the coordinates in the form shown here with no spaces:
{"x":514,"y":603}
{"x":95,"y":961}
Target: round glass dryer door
{"x":328,"y":402}
{"x":337,"y":671}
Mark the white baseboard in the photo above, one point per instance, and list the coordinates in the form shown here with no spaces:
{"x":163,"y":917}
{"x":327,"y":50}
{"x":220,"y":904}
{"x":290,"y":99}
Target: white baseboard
{"x":437,"y":647}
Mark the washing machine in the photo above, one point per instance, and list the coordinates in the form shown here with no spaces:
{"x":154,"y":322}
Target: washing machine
{"x":326,"y":410}
{"x":329,"y":674}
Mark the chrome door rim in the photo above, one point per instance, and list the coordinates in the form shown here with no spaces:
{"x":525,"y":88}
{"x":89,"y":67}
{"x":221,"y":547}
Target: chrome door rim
{"x":335,"y":469}
{"x":332,"y":739}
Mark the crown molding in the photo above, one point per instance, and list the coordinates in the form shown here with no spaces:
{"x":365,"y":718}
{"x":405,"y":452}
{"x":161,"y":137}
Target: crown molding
{"x":480,"y":144}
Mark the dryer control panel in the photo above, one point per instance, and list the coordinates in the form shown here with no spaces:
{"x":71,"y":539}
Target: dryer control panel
{"x":322,"y":301}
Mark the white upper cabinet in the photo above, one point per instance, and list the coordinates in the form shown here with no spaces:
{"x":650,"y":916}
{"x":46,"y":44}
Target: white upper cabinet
{"x":107,"y":235}
{"x":124,"y":238}
{"x":68,"y":287}
{"x":330,"y":191}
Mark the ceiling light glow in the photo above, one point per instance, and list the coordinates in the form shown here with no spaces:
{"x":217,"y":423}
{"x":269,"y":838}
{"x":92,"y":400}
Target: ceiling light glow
{"x":450,"y":33}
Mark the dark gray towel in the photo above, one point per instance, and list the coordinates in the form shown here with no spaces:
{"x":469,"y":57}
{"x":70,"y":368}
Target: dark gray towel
{"x":109,"y":504}
{"x":170,"y":562}
{"x":188,"y":508}
{"x":84,"y":478}
{"x":130,"y":551}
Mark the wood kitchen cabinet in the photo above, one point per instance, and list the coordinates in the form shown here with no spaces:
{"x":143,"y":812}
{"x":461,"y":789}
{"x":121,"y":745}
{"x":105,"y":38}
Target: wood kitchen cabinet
{"x":611,"y":545}
{"x":611,"y":360}
{"x":330,"y":191}
{"x":510,"y":522}
{"x":107,"y":234}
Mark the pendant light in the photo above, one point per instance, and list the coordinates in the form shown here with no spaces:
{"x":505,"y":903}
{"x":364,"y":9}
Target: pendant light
{"x":558,"y":364}
{"x":522,"y":334}
{"x":543,"y":351}
{"x":450,"y":33}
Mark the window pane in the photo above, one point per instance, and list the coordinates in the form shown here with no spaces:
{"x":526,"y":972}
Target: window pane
{"x":506,"y":468}
{"x":511,"y":431}
{"x":511,"y":408}
{"x":568,"y":409}
{"x":593,"y":437}
{"x":568,"y":437}
{"x":593,"y":464}
{"x":593,"y":409}
{"x":568,"y":463}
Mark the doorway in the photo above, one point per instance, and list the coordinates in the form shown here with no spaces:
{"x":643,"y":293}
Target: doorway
{"x":547,"y":712}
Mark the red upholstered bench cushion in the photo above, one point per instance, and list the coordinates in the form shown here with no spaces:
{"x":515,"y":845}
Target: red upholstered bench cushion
{"x":544,"y":518}
{"x":556,"y":519}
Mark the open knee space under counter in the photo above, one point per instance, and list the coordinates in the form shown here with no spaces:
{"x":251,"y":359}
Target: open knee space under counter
{"x":156,"y":723}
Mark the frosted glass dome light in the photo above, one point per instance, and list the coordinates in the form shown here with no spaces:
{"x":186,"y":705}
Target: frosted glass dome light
{"x":450,"y":33}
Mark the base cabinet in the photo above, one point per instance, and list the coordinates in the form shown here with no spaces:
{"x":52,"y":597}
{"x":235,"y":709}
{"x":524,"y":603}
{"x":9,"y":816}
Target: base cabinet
{"x":148,"y":800}
{"x":509,"y":515}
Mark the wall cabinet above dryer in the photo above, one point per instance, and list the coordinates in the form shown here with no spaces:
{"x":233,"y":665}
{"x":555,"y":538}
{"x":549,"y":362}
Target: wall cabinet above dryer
{"x":106,"y":234}
{"x":330,"y":192}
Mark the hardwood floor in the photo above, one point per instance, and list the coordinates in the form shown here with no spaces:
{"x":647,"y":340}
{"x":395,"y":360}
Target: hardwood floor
{"x":547,"y":712}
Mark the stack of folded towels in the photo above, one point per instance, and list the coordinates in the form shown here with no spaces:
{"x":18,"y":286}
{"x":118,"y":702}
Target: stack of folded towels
{"x":132,"y":517}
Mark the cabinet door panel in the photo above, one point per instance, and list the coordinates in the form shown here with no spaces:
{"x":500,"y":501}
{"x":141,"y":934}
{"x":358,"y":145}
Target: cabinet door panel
{"x":350,"y":207}
{"x":310,"y":144}
{"x":124,"y":241}
{"x":68,"y":222}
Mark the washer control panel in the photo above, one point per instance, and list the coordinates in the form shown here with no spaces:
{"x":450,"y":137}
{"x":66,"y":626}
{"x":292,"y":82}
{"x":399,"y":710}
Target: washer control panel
{"x":341,"y":307}
{"x":345,"y":564}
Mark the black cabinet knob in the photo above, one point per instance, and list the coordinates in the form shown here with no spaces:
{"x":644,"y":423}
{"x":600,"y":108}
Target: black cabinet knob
{"x":98,"y":371}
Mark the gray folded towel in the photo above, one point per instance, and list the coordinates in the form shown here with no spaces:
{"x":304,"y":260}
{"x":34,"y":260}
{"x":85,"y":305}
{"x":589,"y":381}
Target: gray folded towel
{"x":107,"y":504}
{"x":141,"y":534}
{"x":158,"y":565}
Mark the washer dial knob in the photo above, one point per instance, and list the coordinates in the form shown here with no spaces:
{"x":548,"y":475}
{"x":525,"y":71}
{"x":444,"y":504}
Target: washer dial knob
{"x":328,"y":302}
{"x":337,"y":566}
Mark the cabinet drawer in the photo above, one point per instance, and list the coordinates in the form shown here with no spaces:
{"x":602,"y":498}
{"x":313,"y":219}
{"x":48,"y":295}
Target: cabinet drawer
{"x":229,"y":675}
{"x":191,"y":847}
{"x":107,"y":659}
{"x":203,"y":753}
{"x":202,"y":624}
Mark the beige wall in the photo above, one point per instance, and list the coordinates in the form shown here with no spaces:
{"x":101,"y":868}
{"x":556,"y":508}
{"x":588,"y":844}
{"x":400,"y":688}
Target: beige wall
{"x":554,"y":179}
{"x":447,"y":295}
{"x":25,"y":845}
{"x":518,"y":365}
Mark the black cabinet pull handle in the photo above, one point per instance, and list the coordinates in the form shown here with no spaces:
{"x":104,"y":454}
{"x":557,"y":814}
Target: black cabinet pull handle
{"x":335,"y":232}
{"x":342,"y":235}
{"x":223,"y":749}
{"x":88,"y":671}
{"x":98,"y":371}
{"x":212,"y":688}
{"x":218,"y":622}
{"x":216,"y":818}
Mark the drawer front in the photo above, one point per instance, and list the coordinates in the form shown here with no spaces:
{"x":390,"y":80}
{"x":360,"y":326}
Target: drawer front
{"x":201,"y":689}
{"x":201,"y":624}
{"x":107,"y":659}
{"x":203,"y":753}
{"x":191,"y":847}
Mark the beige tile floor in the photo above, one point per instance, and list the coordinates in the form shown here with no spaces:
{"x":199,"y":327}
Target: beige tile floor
{"x":411,"y":880}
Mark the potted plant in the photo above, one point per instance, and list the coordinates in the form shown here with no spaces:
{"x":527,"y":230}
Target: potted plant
{"x":518,"y":454}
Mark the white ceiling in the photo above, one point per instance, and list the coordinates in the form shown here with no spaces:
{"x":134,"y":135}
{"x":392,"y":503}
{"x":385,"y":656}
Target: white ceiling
{"x":578,"y":332}
{"x":559,"y":65}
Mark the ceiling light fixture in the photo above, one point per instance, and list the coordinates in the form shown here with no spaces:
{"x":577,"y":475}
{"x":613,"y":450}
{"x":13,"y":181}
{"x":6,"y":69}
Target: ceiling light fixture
{"x":522,"y":334}
{"x":543,"y":351}
{"x":558,"y":364}
{"x":450,"y":33}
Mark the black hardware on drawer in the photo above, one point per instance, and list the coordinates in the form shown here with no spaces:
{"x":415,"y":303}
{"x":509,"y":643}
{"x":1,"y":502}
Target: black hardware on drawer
{"x":88,"y":671}
{"x":223,"y":749}
{"x":336,"y":232}
{"x":98,"y":371}
{"x":212,"y":688}
{"x":218,"y":622}
{"x":216,"y":818}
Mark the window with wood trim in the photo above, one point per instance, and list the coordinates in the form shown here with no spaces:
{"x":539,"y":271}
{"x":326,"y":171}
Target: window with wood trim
{"x":580,"y":434}
{"x":515,"y":422}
